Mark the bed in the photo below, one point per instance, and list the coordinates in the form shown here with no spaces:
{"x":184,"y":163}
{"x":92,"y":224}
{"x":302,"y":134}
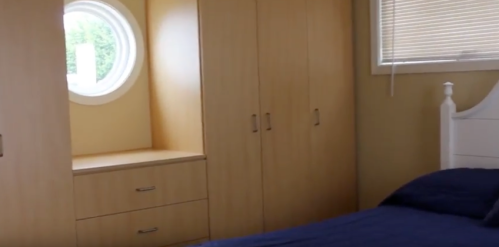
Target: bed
{"x":380,"y":227}
{"x":455,"y":207}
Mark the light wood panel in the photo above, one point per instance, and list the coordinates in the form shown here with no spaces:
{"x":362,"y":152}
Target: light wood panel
{"x":130,"y":159}
{"x":230,"y":84}
{"x":174,"y":224}
{"x":176,"y":111}
{"x":285,"y":96}
{"x":120,"y":191}
{"x":332,"y":107}
{"x":35,"y":170}
{"x":190,"y":243}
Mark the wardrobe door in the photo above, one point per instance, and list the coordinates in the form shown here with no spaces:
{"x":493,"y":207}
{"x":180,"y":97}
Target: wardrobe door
{"x":231,"y":110}
{"x":332,"y":106}
{"x":284,"y":92}
{"x":36,"y":181}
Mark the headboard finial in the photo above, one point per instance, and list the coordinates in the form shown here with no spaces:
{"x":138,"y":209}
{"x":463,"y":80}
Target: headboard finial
{"x":448,"y":89}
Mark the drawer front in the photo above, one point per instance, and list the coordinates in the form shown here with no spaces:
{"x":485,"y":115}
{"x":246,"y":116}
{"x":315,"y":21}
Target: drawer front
{"x":121,"y":191}
{"x":155,"y":227}
{"x":190,"y":243}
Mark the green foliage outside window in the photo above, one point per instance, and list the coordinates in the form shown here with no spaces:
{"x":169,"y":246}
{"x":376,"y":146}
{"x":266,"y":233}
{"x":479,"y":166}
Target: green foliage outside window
{"x":97,"y":32}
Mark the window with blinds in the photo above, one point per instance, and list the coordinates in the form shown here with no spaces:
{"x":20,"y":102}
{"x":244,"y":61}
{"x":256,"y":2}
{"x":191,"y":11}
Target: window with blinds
{"x":433,"y":31}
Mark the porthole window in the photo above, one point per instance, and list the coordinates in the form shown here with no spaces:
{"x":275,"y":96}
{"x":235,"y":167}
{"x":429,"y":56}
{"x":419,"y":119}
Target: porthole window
{"x":104,"y":50}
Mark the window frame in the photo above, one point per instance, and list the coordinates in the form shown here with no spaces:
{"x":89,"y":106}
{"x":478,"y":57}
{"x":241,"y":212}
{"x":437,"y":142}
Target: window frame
{"x":379,"y":68}
{"x":124,"y":74}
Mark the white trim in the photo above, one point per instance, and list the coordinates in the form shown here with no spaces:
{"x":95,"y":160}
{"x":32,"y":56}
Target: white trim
{"x":377,"y":68}
{"x":468,"y":161}
{"x":375,"y":38}
{"x":447,"y":110}
{"x":488,"y":102}
{"x":435,"y":67}
{"x":133,"y":60}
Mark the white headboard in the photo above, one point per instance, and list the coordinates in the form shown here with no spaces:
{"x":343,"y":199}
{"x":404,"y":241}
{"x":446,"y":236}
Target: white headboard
{"x":470,"y":138}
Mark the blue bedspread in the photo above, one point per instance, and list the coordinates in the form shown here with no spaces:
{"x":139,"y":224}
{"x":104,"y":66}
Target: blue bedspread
{"x":386,"y":226}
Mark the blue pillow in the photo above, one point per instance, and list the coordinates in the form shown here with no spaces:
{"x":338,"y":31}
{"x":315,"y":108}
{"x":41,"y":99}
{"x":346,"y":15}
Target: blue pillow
{"x":492,"y":218}
{"x":463,"y":191}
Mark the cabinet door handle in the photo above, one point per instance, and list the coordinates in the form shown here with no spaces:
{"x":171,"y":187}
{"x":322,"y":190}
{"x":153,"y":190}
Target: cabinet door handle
{"x":145,"y":231}
{"x":317,"y":117}
{"x":144,"y":189}
{"x":269,"y":121}
{"x":255,"y":123}
{"x":1,"y":146}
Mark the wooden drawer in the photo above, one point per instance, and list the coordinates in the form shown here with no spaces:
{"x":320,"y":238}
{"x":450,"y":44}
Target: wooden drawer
{"x":190,"y":243}
{"x":154,"y":227}
{"x":121,"y":191}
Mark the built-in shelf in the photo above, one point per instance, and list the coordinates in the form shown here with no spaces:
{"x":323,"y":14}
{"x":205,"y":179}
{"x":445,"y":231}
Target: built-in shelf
{"x":130,"y":159}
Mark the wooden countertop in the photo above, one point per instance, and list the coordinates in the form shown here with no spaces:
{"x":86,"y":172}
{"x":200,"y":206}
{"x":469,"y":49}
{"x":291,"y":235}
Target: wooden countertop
{"x":131,"y":159}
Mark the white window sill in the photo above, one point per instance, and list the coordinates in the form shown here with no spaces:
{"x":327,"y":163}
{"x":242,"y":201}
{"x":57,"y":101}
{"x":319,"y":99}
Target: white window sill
{"x":435,"y":67}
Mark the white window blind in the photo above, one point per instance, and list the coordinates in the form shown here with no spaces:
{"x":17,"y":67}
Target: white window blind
{"x":438,"y":30}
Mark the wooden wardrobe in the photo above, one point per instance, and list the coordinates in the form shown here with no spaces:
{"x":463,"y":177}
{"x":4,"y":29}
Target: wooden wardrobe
{"x":36,"y":180}
{"x":278,"y":119}
{"x":277,"y":80}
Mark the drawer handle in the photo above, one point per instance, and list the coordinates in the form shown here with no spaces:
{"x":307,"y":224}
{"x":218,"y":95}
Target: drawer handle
{"x":317,"y":117}
{"x":146,"y":231}
{"x":145,"y":189}
{"x":1,"y":146}
{"x":255,"y":123}
{"x":269,"y":121}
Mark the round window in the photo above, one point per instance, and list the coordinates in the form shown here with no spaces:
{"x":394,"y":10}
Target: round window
{"x":104,"y":50}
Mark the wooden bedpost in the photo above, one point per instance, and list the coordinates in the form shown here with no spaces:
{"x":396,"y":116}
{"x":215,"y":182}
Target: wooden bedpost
{"x":447,"y":110}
